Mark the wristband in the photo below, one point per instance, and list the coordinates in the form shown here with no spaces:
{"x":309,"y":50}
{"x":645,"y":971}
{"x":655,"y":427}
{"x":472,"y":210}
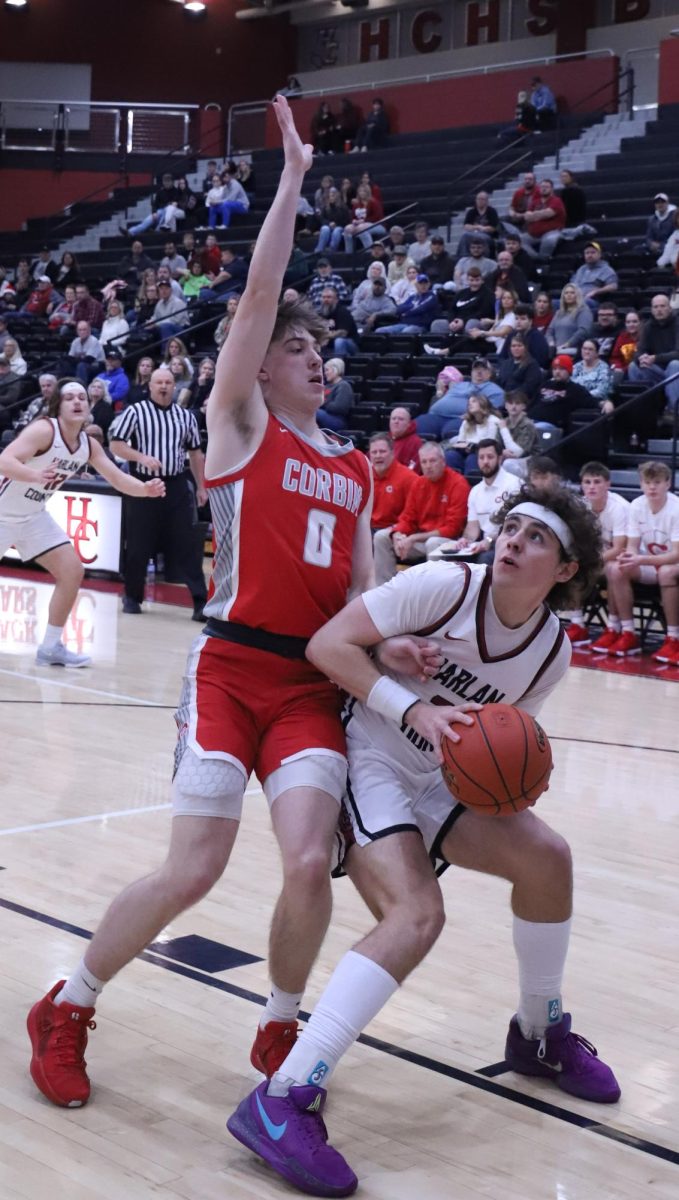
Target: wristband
{"x":390,"y":699}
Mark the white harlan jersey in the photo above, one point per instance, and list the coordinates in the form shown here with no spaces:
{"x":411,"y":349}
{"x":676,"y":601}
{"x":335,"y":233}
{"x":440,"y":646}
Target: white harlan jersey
{"x":613,"y":518}
{"x":19,"y":501}
{"x":656,"y":530}
{"x":483,"y":661}
{"x":485,"y":499}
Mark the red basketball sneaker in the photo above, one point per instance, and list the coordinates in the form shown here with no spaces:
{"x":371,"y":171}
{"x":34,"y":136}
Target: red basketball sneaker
{"x":604,"y":644}
{"x":272,"y":1045}
{"x":58,"y":1034}
{"x":626,"y":643}
{"x":578,"y":635}
{"x":667,"y":653}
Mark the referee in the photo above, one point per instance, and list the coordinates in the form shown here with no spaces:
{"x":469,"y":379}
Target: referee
{"x":155,"y":436}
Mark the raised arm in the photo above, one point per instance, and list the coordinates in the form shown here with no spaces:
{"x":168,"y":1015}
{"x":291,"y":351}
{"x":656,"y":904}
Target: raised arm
{"x":236,"y":404}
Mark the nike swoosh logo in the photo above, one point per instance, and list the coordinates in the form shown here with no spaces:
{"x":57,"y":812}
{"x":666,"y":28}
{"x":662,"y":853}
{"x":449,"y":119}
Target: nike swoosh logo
{"x":552,"y":1066}
{"x":274,"y":1131}
{"x":87,"y":985}
{"x":449,"y":637}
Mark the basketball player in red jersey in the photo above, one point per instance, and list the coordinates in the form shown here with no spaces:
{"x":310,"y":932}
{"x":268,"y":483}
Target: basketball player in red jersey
{"x":291,"y":511}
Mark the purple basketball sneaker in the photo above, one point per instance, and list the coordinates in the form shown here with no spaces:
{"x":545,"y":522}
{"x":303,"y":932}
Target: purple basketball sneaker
{"x":566,"y":1058}
{"x":289,"y":1133}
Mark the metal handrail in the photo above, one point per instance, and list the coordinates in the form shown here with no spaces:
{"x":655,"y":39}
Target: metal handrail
{"x":253,"y":107}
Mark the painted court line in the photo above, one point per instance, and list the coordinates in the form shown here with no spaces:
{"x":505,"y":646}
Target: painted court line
{"x":121,"y":812}
{"x":73,"y":687}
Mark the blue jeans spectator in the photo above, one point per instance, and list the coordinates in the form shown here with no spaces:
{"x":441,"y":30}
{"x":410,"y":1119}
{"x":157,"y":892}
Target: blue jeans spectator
{"x":464,"y":461}
{"x":169,"y":329}
{"x":656,"y":374}
{"x":366,"y":238}
{"x":326,"y":420}
{"x":142,"y":226}
{"x":343,"y":347}
{"x":329,"y":237}
{"x":223,"y":211}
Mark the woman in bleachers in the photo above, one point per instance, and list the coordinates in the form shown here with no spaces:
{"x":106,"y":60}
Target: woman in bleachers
{"x":374,"y":187}
{"x":61,"y":317}
{"x":404,"y":287}
{"x":573,"y":199}
{"x":338,"y":399}
{"x":594,"y":375}
{"x":182,"y":381}
{"x":188,"y":202}
{"x":246,"y":176}
{"x":200,"y":388}
{"x":222,"y":330}
{"x":333,"y":216}
{"x":69,"y":272}
{"x":12,"y":353}
{"x":145,"y":301}
{"x":543,"y":312}
{"x":478,"y":422}
{"x":139,"y":389}
{"x":366,"y":210}
{"x":101,"y":410}
{"x":670,"y":253}
{"x":625,"y":346}
{"x":520,"y":372}
{"x":488,"y":337}
{"x":176,"y":349}
{"x":323,"y":129}
{"x":115,"y":329}
{"x":346,"y":125}
{"x":571,"y":322}
{"x":376,"y":270}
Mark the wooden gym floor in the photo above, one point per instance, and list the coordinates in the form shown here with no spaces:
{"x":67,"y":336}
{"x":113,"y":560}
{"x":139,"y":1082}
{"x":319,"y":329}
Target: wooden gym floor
{"x":423,"y":1108}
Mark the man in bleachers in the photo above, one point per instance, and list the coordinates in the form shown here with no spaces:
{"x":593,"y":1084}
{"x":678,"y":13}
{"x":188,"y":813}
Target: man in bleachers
{"x":133,"y":264}
{"x":444,"y":416}
{"x":596,"y":277}
{"x":417,"y":312}
{"x":114,"y":375}
{"x":399,"y":264}
{"x":475,"y":302}
{"x":341,"y":324}
{"x":480,"y":221}
{"x":537,"y":342}
{"x":324,"y":276}
{"x":558,"y":397}
{"x":544,"y":102}
{"x":85,"y":353}
{"x":660,"y":225}
{"x":44,"y":264}
{"x":657,"y":354}
{"x":475,"y":258}
{"x":544,"y":221}
{"x":87,"y":308}
{"x":405,"y":440}
{"x":175,"y":262}
{"x":521,"y":201}
{"x":522,"y":259}
{"x":435,"y":511}
{"x":39,"y":304}
{"x":391,"y":482}
{"x":606,"y":328}
{"x":508,"y":276}
{"x":10,"y":390}
{"x":4,"y":333}
{"x":170,"y":317}
{"x":421,"y":247}
{"x":479,"y":534}
{"x":612,"y":512}
{"x":376,"y":303}
{"x":231,"y":277}
{"x":438,"y":265}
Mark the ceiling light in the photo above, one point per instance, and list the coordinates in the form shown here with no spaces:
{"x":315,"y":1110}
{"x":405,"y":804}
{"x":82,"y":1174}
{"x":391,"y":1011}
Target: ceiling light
{"x":195,"y":6}
{"x":16,"y":3}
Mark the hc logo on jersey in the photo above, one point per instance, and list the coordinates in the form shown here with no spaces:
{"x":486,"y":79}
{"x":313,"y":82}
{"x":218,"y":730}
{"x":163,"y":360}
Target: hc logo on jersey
{"x":554,"y":1011}
{"x":79,"y":524}
{"x":319,"y":1073}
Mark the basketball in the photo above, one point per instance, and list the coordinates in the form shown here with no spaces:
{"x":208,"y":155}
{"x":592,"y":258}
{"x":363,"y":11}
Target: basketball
{"x":501,"y":764}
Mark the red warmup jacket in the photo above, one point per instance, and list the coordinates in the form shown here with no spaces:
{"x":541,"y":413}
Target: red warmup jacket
{"x":390,"y":493}
{"x":441,"y":505}
{"x":406,"y":448}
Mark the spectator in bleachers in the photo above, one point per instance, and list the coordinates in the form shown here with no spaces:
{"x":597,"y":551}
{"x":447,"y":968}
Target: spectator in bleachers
{"x":571,"y":323}
{"x":144,"y":306}
{"x":169,"y":315}
{"x":507,"y":275}
{"x":341,"y":325}
{"x":545,"y":220}
{"x":445,"y":414}
{"x":391,"y":482}
{"x":85,"y":354}
{"x":375,"y":188}
{"x":475,"y":258}
{"x":115,"y":329}
{"x":194,"y":279}
{"x":173,"y":260}
{"x":496,"y":483}
{"x":417,"y":312}
{"x":625,"y":346}
{"x":164,"y":274}
{"x":373,"y":304}
{"x":405,"y":438}
{"x":479,"y":423}
{"x":557,"y":397}
{"x":23,"y":286}
{"x":139,"y":389}
{"x":183,"y":379}
{"x":519,"y":372}
{"x":373,"y":134}
{"x":480,"y":221}
{"x":114,"y":376}
{"x":366,"y":213}
{"x":211,"y":170}
{"x":543,"y":312}
{"x":68,"y":272}
{"x":4,"y":333}
{"x":398,"y":267}
{"x":333,"y":216}
{"x":396,"y":237}
{"x":231,"y":277}
{"x":520,"y":203}
{"x":346,"y":126}
{"x":658,"y":351}
{"x":475,"y":302}
{"x":375,"y":270}
{"x":660,"y":225}
{"x":323,"y":124}
{"x":245,"y":175}
{"x":222,"y":330}
{"x":404,"y":286}
{"x":7,"y":291}
{"x":87,"y":308}
{"x":596,"y":277}
{"x":379,"y":253}
{"x":520,"y":437}
{"x":101,"y":404}
{"x":211,"y":255}
{"x":435,"y":511}
{"x":606,"y":328}
{"x":488,"y":336}
{"x":133,"y":264}
{"x":176,"y":348}
{"x":593,"y":374}
{"x":40,"y":302}
{"x":189,"y":246}
{"x":522,"y":259}
{"x":575,"y":203}
{"x":10,"y":386}
{"x":164,"y":210}
{"x":16,"y":360}
{"x":187,"y":200}
{"x":438,"y":264}
{"x":670,"y":249}
{"x":525,"y":119}
{"x":651,"y":557}
{"x":347,"y":191}
{"x":324,"y":276}
{"x":538,"y":346}
{"x":234,"y":200}
{"x":37,"y":406}
{"x":200,"y":387}
{"x":338,"y":397}
{"x":544,"y":102}
{"x":44,"y":264}
{"x":421,"y":247}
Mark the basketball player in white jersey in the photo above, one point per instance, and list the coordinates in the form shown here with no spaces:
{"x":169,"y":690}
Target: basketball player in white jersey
{"x":497,"y":640}
{"x":45,"y":454}
{"x":612,"y":513}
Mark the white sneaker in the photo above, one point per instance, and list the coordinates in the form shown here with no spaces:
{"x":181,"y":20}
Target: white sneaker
{"x":436,"y":351}
{"x":60,"y":656}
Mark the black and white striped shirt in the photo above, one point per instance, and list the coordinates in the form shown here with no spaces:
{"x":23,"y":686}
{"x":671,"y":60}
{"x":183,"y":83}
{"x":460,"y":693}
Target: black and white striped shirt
{"x":164,"y":433}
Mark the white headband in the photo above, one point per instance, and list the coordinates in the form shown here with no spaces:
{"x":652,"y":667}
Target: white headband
{"x":546,"y":517}
{"x":73,"y":387}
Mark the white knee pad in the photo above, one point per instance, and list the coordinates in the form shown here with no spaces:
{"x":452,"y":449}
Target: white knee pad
{"x":207,"y":787}
{"x":326,"y":772}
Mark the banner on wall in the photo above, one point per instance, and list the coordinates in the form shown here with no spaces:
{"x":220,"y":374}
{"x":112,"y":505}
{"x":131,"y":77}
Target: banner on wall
{"x":93,"y":522}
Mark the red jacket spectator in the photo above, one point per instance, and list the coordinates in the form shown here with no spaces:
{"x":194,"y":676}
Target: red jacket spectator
{"x":39,"y":299}
{"x":404,"y":436}
{"x":390,"y":494}
{"x":86,"y":308}
{"x":547,"y":199}
{"x":441,"y":506}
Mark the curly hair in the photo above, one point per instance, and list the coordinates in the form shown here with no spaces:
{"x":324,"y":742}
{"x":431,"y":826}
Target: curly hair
{"x":295,"y":315}
{"x":583,"y":524}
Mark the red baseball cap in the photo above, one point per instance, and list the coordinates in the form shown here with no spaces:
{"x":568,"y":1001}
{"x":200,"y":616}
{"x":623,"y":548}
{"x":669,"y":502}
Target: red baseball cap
{"x":565,"y":361}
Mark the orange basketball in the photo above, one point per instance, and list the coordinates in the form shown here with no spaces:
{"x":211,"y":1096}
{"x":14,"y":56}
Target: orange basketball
{"x":502,"y":762}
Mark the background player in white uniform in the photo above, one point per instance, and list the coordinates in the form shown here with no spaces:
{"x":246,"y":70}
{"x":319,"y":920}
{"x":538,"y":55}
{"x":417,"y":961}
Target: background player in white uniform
{"x":651,"y":556}
{"x":612,"y":513}
{"x":40,"y":460}
{"x":497,"y":640}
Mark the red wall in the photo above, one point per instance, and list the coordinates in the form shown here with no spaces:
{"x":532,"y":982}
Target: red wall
{"x":668,"y":79}
{"x":468,"y":100}
{"x":30,"y":193}
{"x":150,"y":50}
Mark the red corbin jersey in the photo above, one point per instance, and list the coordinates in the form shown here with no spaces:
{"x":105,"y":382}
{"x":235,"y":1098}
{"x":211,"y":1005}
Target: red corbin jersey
{"x":284,"y":522}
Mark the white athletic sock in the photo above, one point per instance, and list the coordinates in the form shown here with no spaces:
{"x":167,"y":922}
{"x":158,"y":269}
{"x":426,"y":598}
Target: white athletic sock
{"x":541,"y":948}
{"x":281,"y":1006}
{"x":578,"y":616}
{"x":628,"y":626}
{"x":673,"y":631}
{"x":52,"y":636}
{"x":82,"y":988}
{"x":357,"y":990}
{"x":614,"y":622}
